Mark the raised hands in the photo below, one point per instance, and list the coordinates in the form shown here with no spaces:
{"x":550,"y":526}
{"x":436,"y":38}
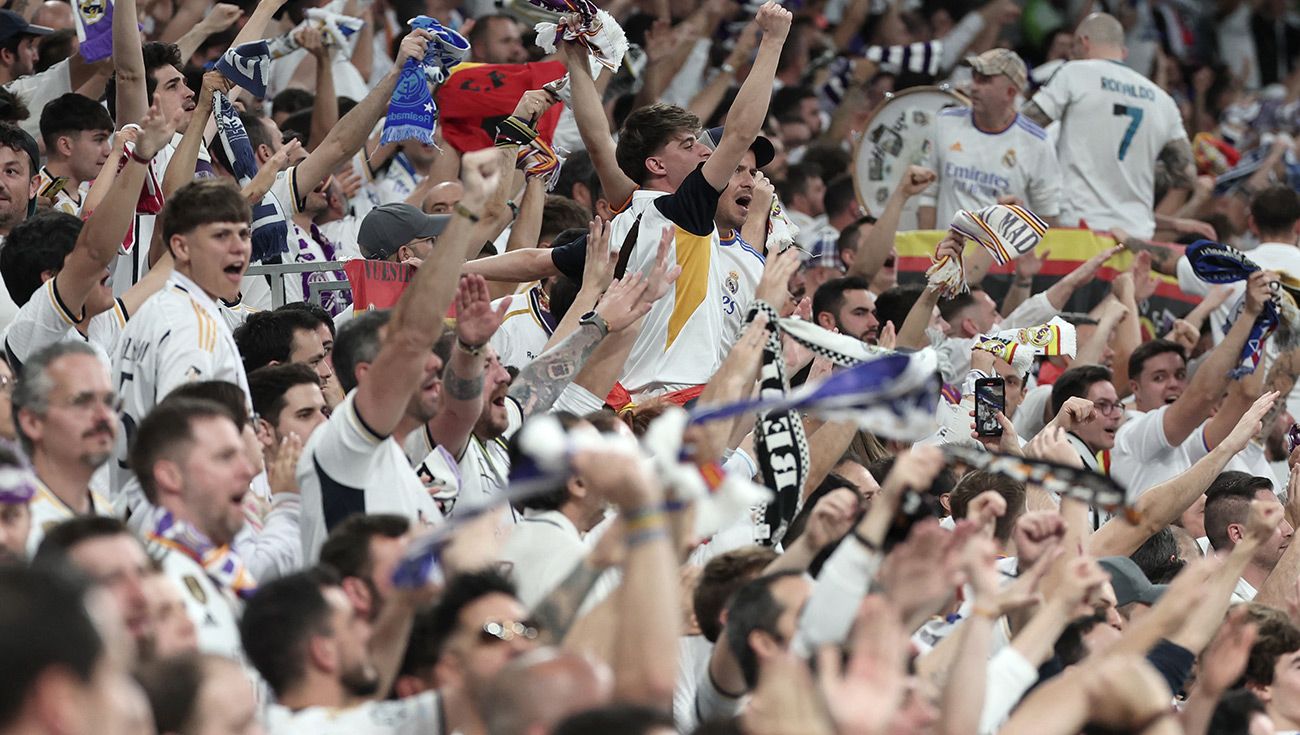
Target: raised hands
{"x":313,"y":41}
{"x":916,"y":180}
{"x":476,"y":320}
{"x":280,"y":470}
{"x":480,"y":170}
{"x":155,"y":132}
{"x":1259,"y":290}
{"x":1251,"y":423}
{"x":598,"y":268}
{"x":831,"y":518}
{"x":774,"y":285}
{"x":622,"y":305}
{"x":415,"y":46}
{"x":774,"y":21}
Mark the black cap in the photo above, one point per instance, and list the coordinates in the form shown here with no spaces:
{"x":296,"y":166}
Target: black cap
{"x":763,"y":149}
{"x":390,"y":226}
{"x":13,"y":24}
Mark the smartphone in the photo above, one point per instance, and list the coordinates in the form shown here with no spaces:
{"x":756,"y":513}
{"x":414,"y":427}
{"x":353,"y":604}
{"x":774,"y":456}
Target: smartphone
{"x":990,"y":397}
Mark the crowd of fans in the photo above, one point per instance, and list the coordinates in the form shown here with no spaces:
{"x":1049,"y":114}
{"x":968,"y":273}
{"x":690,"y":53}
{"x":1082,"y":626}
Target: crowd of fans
{"x":610,"y":405}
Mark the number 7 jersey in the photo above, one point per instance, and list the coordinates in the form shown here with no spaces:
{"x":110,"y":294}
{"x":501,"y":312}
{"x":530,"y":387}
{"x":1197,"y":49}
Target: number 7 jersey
{"x":1114,"y":123}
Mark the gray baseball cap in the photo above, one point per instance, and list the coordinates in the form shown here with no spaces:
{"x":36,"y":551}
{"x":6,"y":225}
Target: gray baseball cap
{"x":1130,"y":582}
{"x":390,"y":226}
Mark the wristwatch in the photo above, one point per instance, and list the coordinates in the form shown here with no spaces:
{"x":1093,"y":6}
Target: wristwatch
{"x":595,"y":320}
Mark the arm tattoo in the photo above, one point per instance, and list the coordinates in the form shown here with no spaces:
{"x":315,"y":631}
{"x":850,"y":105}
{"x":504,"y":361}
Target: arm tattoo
{"x":539,"y":384}
{"x":462,"y":388}
{"x":1163,"y":259}
{"x":1032,"y":111}
{"x":556,"y":614}
{"x":1177,"y":159}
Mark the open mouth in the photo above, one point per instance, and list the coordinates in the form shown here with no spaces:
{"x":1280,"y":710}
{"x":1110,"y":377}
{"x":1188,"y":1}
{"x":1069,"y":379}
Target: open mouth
{"x":744,"y":201}
{"x":499,"y":402}
{"x":236,"y":269}
{"x":889,"y":262}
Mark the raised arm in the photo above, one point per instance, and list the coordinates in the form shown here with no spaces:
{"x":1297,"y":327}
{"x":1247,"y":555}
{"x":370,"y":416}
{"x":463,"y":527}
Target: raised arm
{"x":589,"y":114}
{"x":1059,"y":293}
{"x":1206,"y":387}
{"x":411,"y":333}
{"x":128,"y":65}
{"x":879,"y":243}
{"x":462,"y":378}
{"x":749,"y":111}
{"x":325,"y":108}
{"x":350,"y":134}
{"x":101,"y":236}
{"x":1164,"y":503}
{"x":221,"y":17}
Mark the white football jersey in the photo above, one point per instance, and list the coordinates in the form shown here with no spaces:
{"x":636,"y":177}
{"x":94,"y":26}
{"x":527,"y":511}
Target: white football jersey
{"x":178,"y":337}
{"x":485,"y":465}
{"x":419,"y":715}
{"x":1114,"y":123}
{"x":45,"y":320}
{"x":976,"y":168}
{"x":741,"y":267}
{"x":395,"y":182}
{"x":55,"y":189}
{"x":346,"y":468}
{"x":525,"y":329}
{"x":48,"y":511}
{"x":678,"y":346}
{"x":215,"y":612}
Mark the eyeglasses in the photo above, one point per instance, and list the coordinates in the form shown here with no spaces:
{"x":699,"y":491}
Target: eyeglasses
{"x":1107,"y":408}
{"x":505,"y":631}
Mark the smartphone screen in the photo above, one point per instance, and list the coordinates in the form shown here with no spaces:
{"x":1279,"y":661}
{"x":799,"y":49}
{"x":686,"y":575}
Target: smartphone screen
{"x":990,"y":397}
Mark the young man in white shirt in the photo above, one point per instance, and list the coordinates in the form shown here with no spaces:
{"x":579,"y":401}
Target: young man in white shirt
{"x":1227,"y":510}
{"x":1167,"y":430}
{"x":986,"y":153}
{"x":63,"y":407}
{"x":1115,"y":125}
{"x":179,"y":334}
{"x":76,"y":131}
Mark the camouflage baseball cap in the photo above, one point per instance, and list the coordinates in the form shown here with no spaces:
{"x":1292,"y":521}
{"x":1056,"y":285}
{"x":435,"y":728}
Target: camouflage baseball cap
{"x":1000,"y":61}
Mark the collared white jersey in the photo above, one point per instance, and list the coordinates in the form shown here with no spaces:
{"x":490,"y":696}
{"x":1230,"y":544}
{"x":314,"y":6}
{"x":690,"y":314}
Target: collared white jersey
{"x":347,"y":468}
{"x":419,"y":715}
{"x":678,"y":345}
{"x":48,"y":511}
{"x":976,"y":168}
{"x":485,"y":465}
{"x":178,"y":337}
{"x":235,"y":313}
{"x":214,"y":611}
{"x":55,"y":189}
{"x":1114,"y":123}
{"x":45,"y":320}
{"x":525,"y":329}
{"x":741,"y":267}
{"x":436,"y":468}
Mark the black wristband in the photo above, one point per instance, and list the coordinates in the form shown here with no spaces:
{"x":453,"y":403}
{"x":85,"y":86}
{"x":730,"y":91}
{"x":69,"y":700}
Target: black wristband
{"x":513,"y":131}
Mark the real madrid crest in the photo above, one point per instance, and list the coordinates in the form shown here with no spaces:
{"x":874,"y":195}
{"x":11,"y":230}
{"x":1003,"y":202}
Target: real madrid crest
{"x":1009,"y":160}
{"x":733,"y":282}
{"x":91,"y":10}
{"x":196,"y":589}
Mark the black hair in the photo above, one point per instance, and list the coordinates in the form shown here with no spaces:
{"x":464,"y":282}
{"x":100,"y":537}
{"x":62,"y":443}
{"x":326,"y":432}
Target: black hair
{"x":72,"y":113}
{"x":626,"y":719}
{"x":894,"y":304}
{"x":267,"y":336}
{"x":1276,"y":210}
{"x":578,"y":169}
{"x":840,"y":195}
{"x":1233,"y":713}
{"x":44,"y":625}
{"x":223,"y":392}
{"x":1153,"y":348}
{"x":1227,"y":501}
{"x":1157,"y":557}
{"x":203,"y":202}
{"x":357,"y":342}
{"x":647,"y":130}
{"x":268,"y":386}
{"x":1076,"y":382}
{"x":36,"y":246}
{"x":753,"y":608}
{"x":796,"y":180}
{"x":316,"y":310}
{"x":169,"y":425}
{"x":462,"y":591}
{"x":292,"y":100}
{"x":12,"y":108}
{"x":829,"y":297}
{"x":62,"y":538}
{"x":279,"y":622}
{"x":347,"y":550}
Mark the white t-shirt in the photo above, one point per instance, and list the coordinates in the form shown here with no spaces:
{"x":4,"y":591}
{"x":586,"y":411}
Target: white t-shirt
{"x":976,"y":168}
{"x":48,"y":511}
{"x":179,"y":336}
{"x":396,"y":181}
{"x":485,"y":465}
{"x":419,"y":715}
{"x":1114,"y":123}
{"x":542,"y":550}
{"x":346,"y":468}
{"x":1143,"y":457}
{"x":45,"y":320}
{"x":38,"y":90}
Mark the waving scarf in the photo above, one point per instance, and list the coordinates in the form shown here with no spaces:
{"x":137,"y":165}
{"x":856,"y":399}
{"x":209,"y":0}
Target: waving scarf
{"x":221,"y":563}
{"x":270,"y":229}
{"x":588,"y":25}
{"x":336,"y":28}
{"x":1006,"y":231}
{"x":248,"y":65}
{"x":447,"y":49}
{"x":412,"y":113}
{"x":94,"y":20}
{"x":1091,"y":488}
{"x":1019,"y":347}
{"x":1215,"y":263}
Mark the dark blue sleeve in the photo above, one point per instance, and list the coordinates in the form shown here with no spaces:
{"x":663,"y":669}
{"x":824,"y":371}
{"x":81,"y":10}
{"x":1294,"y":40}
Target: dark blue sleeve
{"x":1173,"y":662}
{"x":693,"y":205}
{"x":571,"y":257}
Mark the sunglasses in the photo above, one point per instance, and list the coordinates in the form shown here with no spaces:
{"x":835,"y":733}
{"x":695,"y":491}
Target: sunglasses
{"x":504,"y":631}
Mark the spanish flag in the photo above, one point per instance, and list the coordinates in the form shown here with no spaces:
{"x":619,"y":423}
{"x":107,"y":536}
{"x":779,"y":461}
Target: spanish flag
{"x":478,"y":96}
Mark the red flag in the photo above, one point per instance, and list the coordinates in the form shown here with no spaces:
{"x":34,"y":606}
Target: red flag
{"x":377,"y":284}
{"x":476,"y":96}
